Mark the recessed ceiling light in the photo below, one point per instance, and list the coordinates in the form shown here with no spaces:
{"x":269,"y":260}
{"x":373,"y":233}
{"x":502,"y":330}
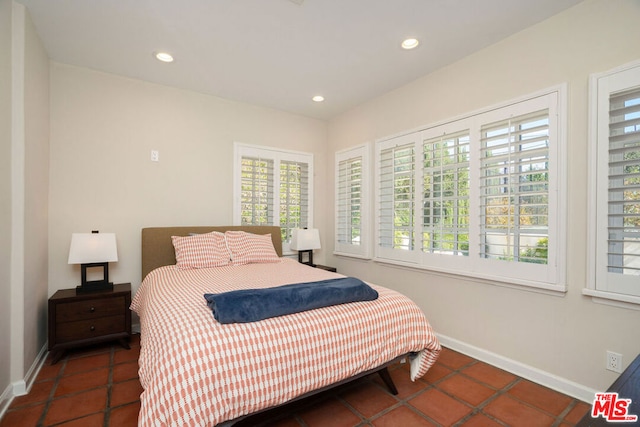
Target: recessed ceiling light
{"x":164,"y":57}
{"x":318,"y":98}
{"x":410,"y":43}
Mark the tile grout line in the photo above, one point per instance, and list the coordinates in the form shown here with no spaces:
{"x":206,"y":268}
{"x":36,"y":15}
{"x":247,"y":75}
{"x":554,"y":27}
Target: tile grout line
{"x":561,"y":417}
{"x":107,"y":410}
{"x":51,"y":398}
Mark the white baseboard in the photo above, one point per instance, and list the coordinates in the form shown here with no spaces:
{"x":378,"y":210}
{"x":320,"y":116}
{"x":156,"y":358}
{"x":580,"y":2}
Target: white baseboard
{"x":536,"y":375}
{"x":33,"y":371}
{"x":5,"y":400}
{"x":22,"y":387}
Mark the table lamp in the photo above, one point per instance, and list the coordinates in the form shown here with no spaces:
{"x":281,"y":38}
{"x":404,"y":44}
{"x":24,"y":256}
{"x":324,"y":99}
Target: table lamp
{"x":305,"y":240}
{"x":93,"y":250}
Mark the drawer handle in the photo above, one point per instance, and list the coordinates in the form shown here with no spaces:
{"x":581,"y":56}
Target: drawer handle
{"x":92,"y":328}
{"x":92,"y":309}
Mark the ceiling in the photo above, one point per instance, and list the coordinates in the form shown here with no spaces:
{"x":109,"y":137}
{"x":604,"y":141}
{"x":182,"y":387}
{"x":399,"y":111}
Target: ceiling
{"x":279,"y":53}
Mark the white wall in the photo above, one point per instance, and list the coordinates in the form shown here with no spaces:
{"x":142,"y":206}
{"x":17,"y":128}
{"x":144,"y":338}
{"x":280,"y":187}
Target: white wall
{"x":24,"y":114}
{"x":568,"y":335}
{"x":36,"y":188}
{"x":103,"y":128}
{"x":5,"y":191}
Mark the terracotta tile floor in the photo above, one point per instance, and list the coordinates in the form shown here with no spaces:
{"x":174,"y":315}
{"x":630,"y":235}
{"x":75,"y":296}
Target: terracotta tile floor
{"x":99,"y":387}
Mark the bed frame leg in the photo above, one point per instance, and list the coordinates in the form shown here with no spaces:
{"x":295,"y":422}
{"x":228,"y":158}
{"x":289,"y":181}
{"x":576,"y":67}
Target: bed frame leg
{"x":386,"y":378}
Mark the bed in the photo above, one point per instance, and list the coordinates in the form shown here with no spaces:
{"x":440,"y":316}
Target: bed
{"x":197,"y":371}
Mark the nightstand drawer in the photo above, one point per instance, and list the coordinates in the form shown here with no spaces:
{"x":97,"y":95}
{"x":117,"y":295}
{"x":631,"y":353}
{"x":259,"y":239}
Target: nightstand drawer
{"x":85,"y":329}
{"x":90,"y":309}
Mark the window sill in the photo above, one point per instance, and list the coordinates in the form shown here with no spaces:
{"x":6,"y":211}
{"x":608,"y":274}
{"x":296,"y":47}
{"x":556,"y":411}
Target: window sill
{"x":349,"y":255}
{"x":616,"y":300}
{"x":524,"y":285}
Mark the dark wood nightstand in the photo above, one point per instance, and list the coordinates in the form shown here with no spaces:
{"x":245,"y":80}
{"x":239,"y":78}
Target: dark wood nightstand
{"x":326,"y":267}
{"x":78,"y":319}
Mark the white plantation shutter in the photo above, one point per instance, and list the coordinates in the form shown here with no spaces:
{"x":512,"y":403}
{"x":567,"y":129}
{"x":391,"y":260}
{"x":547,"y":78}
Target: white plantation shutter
{"x":273,"y":187}
{"x":256,"y":191}
{"x":294,"y":195}
{"x":614,"y":208}
{"x":445,"y":207}
{"x":515,"y":189}
{"x":624,"y":184}
{"x":352,"y":201}
{"x":349,"y":201}
{"x":397,"y":198}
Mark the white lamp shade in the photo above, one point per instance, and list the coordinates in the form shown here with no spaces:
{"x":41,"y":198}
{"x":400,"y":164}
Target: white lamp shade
{"x":305,"y":239}
{"x":87,"y":248}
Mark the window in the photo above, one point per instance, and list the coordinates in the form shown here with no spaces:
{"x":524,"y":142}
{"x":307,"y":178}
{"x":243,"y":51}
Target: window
{"x":479,"y":195}
{"x":615,"y":160}
{"x":294,"y":195}
{"x":445,"y":177}
{"x":273,"y":187}
{"x":514,"y":188}
{"x":397,"y":198}
{"x":256,"y":197}
{"x":352,"y":202}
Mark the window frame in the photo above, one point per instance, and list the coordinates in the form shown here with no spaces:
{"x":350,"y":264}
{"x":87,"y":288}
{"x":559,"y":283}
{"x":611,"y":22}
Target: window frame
{"x":277,"y":155}
{"x":548,"y":277}
{"x":605,"y":287}
{"x":363,"y":250}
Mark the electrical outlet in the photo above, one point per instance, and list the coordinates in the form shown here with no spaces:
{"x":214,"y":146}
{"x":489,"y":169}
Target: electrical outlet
{"x":155,"y":156}
{"x":614,"y":362}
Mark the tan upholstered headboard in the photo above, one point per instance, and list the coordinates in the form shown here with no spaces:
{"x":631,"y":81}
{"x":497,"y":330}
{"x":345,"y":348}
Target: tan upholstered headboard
{"x":157,"y":247}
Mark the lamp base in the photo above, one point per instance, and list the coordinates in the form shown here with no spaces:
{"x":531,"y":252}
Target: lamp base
{"x":309,"y":259}
{"x":95,"y":286}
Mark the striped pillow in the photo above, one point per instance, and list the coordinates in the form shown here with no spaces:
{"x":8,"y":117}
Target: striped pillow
{"x":201,"y":251}
{"x":248,"y":248}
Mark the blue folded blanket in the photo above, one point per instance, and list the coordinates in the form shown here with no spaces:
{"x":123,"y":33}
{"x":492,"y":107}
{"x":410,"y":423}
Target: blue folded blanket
{"x":251,"y":305}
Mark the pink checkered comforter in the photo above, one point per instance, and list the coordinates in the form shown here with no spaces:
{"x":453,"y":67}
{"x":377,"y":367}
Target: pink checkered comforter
{"x":195,"y":371}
